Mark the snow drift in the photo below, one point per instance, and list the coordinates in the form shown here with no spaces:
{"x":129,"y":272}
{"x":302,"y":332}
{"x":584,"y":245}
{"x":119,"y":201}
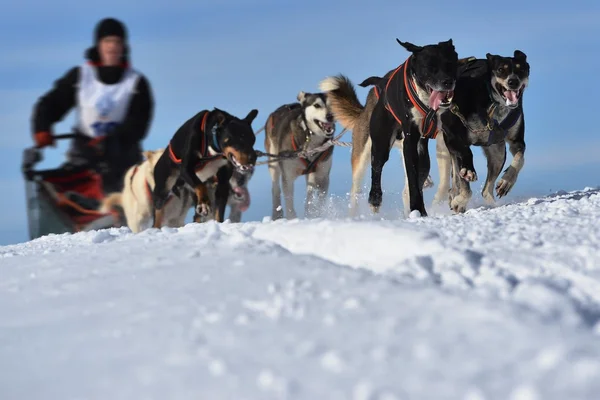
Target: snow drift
{"x":500,"y":303}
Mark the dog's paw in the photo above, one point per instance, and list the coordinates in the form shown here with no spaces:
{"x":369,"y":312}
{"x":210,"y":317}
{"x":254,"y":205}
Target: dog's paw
{"x":203,"y":209}
{"x":458,"y":203}
{"x":468,"y":175}
{"x":428,"y":183}
{"x":508,"y":180}
{"x":503,"y":187}
{"x":488,"y":198}
{"x":375,"y":197}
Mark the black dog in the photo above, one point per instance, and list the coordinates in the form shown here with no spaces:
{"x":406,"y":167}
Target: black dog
{"x":197,"y":152}
{"x":488,"y":112}
{"x":411,"y":99}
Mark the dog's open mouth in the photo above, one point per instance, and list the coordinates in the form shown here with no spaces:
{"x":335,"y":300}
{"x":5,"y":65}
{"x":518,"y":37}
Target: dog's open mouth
{"x":241,"y":196}
{"x":327,"y":127}
{"x":440,"y":98}
{"x":511,"y":97}
{"x":239,"y":166}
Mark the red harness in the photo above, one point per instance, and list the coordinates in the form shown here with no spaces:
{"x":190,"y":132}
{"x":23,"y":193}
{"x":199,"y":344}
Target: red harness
{"x":206,"y":156}
{"x":429,"y":123}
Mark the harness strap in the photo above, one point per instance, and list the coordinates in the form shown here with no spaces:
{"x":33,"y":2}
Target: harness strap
{"x":429,"y":123}
{"x":206,"y":158}
{"x":311,"y":166}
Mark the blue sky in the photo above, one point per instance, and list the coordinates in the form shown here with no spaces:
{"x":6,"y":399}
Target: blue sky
{"x":244,"y":54}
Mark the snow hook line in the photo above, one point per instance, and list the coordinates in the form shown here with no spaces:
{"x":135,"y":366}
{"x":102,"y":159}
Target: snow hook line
{"x":304,"y":153}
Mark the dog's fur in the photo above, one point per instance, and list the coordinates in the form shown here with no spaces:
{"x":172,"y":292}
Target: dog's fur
{"x":375,"y":129}
{"x":486,"y":83}
{"x":228,"y":140}
{"x":309,"y":119}
{"x":136,"y":202}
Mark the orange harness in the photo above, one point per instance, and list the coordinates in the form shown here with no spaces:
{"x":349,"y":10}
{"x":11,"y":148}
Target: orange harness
{"x":206,"y":157}
{"x":429,"y":124}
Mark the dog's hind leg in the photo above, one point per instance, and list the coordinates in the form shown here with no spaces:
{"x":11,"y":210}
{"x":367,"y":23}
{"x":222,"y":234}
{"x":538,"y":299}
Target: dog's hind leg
{"x":275,"y":171}
{"x":165,"y":177}
{"x":381,"y":132}
{"x":496,"y":157}
{"x":444,"y":162}
{"x":360,"y":156}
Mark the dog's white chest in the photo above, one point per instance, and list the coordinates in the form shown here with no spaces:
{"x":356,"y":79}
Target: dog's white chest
{"x":210,"y":168}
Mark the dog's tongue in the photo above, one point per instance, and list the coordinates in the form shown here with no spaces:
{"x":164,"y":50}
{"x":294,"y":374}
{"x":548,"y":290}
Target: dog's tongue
{"x":327,"y":126}
{"x":435,"y":99}
{"x":511,"y":97}
{"x":244,"y":202}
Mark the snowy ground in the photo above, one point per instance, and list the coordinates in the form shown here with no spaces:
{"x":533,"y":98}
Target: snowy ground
{"x":499,"y":303}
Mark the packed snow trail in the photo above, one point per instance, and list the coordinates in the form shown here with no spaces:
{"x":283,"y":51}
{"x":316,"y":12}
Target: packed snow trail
{"x":499,"y":303}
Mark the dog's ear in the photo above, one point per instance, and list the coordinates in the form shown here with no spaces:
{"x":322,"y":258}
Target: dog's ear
{"x":301,"y":96}
{"x":519,"y":55}
{"x":490,"y":57}
{"x":220,"y":116}
{"x":448,"y":43}
{"x":251,"y":115}
{"x":409,"y":46}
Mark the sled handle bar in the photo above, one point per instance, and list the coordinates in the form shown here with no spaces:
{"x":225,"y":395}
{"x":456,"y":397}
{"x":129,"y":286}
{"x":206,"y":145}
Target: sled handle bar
{"x":65,"y":136}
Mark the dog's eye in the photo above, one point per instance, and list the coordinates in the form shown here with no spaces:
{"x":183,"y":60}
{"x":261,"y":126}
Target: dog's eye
{"x":317,"y":105}
{"x":517,"y":65}
{"x":501,"y":70}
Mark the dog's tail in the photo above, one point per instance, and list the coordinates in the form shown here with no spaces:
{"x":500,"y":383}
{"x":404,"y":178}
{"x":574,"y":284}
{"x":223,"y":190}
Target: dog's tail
{"x":344,"y":102}
{"x":371,"y":81}
{"x":110,"y":202}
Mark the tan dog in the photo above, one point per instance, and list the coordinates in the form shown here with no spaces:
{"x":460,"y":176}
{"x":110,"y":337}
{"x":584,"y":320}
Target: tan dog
{"x":136,"y":197}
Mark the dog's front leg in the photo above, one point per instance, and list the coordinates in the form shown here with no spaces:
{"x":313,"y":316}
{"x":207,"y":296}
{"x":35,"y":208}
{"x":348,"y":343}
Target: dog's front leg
{"x":319,"y":182}
{"x":509,"y":178}
{"x":495,"y":155}
{"x":424,"y":161}
{"x":412,"y":166}
{"x":188,"y":174}
{"x":381,"y":129}
{"x":456,"y":139}
{"x":309,"y":203}
{"x":275,"y":171}
{"x":222,"y":193}
{"x":288,"y":176}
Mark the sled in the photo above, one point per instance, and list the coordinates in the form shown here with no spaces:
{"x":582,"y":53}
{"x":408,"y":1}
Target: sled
{"x":65,"y":199}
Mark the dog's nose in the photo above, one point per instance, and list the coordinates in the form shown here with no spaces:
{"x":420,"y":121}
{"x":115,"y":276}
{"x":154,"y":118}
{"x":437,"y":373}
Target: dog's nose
{"x":513,"y":83}
{"x":329,"y":117}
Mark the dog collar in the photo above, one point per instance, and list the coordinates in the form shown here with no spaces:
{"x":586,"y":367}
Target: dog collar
{"x":215,"y":140}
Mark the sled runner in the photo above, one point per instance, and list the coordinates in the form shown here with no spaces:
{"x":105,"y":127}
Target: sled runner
{"x":65,"y":199}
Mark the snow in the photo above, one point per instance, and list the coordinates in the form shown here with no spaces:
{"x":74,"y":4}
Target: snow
{"x":497,"y":303}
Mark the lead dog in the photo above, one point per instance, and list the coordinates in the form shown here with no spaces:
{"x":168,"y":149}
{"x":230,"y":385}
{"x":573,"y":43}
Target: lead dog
{"x":404,"y":105}
{"x":306,"y":125}
{"x":488,"y":113}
